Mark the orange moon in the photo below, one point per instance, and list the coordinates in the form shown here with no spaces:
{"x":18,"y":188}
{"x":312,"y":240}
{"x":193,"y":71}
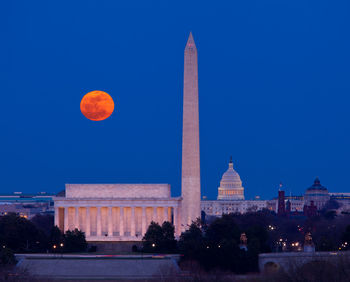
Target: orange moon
{"x":97,"y":105}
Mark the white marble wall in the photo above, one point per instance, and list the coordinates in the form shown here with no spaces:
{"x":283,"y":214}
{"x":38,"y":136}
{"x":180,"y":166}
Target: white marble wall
{"x":115,"y":191}
{"x":219,"y":207}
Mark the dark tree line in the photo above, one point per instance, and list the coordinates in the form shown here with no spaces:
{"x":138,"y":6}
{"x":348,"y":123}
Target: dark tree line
{"x":20,"y":235}
{"x":216,"y":244}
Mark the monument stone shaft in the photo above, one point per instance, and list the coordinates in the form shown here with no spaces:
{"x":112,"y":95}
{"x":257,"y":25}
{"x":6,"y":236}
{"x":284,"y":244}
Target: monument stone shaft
{"x":190,"y":182}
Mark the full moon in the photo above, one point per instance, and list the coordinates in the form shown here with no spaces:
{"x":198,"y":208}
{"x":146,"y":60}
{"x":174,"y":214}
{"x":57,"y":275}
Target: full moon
{"x":97,"y":105}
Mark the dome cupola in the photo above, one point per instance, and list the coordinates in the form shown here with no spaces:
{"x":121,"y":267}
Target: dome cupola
{"x":317,"y":186}
{"x":317,"y":194}
{"x":231,"y":185}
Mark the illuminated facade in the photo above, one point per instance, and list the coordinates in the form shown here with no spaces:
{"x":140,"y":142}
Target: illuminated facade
{"x":230,"y":185}
{"x":115,"y":212}
{"x":220,"y":207}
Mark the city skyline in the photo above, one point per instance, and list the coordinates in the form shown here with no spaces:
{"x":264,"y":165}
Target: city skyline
{"x":275,"y":98}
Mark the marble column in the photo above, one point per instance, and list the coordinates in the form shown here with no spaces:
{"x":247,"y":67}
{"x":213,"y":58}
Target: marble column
{"x":57,"y":216}
{"x":144,"y":221}
{"x":88,"y":228}
{"x":177,"y":227}
{"x":121,"y":222}
{"x":132,"y":229}
{"x":155,"y":219}
{"x":99,"y":229}
{"x":166,"y":215}
{"x":65,"y":219}
{"x":76,"y":220}
{"x":110,"y":222}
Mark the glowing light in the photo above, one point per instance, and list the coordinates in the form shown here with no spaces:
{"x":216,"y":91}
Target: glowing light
{"x":97,"y":105}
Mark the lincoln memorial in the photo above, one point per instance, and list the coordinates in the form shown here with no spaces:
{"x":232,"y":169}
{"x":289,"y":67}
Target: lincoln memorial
{"x":115,"y":212}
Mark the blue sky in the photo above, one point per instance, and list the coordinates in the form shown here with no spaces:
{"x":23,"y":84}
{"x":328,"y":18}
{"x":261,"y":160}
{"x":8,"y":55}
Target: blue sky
{"x":273,"y":90}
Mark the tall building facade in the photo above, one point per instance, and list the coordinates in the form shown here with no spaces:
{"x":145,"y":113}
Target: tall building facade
{"x":190,"y":177}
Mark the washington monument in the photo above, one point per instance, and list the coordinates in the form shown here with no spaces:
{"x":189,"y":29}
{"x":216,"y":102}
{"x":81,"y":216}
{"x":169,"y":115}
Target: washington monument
{"x":190,"y":182}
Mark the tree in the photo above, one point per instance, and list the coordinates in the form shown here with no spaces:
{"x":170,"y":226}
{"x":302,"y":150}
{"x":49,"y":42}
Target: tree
{"x":191,"y":243}
{"x":346,"y":238}
{"x":222,"y":250}
{"x":223,"y":229}
{"x":330,"y":205}
{"x":74,"y":241}
{"x":159,"y":238}
{"x":7,"y":257}
{"x":218,"y":245}
{"x":56,"y":238}
{"x":43,"y":222}
{"x":153,"y":238}
{"x":20,"y":234}
{"x":168,"y":243}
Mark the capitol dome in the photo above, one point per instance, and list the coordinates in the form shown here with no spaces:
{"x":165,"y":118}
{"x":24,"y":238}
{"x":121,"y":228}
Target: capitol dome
{"x":230,"y":185}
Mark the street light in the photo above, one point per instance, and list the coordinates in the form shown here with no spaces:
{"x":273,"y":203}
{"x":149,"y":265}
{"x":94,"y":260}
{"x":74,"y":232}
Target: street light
{"x":61,"y":245}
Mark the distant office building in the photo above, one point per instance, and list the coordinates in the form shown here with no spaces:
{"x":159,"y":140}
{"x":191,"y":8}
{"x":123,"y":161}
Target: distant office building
{"x":26,"y":205}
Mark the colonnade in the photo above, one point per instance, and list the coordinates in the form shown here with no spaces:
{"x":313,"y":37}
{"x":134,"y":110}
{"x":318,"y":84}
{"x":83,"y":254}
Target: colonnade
{"x":108,"y":221}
